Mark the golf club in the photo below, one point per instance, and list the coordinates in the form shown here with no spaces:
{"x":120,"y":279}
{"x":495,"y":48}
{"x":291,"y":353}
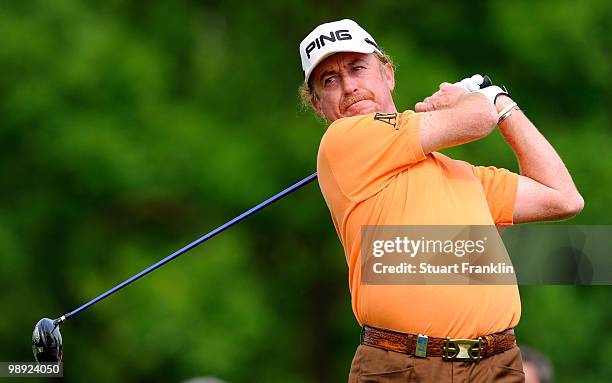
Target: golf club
{"x":47,"y":344}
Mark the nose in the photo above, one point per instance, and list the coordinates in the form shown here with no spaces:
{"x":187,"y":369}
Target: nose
{"x":349,"y":85}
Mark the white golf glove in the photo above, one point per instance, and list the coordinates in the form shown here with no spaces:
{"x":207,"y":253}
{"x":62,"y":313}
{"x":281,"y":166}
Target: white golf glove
{"x":472,"y":84}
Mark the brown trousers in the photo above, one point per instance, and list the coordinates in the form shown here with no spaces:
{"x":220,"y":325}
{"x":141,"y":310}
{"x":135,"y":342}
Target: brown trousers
{"x":371,"y":364}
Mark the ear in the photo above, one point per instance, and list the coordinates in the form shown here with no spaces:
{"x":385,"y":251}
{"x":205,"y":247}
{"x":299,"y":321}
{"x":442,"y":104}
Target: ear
{"x":389,"y":76}
{"x":316,"y":105}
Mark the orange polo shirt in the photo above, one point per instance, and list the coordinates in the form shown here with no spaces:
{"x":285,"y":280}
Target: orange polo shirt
{"x":372,"y":171}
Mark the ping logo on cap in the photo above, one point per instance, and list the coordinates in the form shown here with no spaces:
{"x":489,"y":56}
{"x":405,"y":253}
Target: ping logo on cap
{"x":334,"y":37}
{"x":342,"y":34}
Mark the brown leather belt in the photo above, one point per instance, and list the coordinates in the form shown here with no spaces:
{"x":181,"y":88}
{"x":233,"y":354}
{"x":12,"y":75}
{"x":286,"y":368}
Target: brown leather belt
{"x":463,"y":350}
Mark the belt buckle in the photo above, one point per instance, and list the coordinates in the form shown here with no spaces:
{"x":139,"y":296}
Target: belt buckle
{"x":421,"y":346}
{"x":462,"y":350}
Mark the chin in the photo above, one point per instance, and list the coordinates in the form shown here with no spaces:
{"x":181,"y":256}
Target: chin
{"x":359,"y":111}
{"x":362,"y":109}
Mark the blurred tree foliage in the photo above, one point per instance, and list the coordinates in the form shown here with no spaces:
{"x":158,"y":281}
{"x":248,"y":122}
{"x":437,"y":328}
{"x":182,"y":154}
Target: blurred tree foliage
{"x":128,"y":129}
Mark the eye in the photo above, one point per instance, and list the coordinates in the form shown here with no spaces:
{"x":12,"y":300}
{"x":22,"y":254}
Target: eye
{"x":329,"y":80}
{"x":358,"y":68}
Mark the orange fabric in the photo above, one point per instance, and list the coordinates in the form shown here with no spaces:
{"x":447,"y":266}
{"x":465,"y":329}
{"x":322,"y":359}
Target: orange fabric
{"x":374,"y":172}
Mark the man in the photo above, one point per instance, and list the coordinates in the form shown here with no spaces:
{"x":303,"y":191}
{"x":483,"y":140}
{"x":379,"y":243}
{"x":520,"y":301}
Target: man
{"x":380,"y":167}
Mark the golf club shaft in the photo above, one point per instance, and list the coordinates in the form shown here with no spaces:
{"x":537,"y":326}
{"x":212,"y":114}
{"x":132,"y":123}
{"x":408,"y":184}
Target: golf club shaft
{"x":190,"y":246}
{"x":486,"y":82}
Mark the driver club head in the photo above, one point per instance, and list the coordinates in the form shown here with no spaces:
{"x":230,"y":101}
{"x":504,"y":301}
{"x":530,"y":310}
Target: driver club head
{"x":47,"y":341}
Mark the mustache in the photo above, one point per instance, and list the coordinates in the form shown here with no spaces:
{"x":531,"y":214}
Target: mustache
{"x":356,"y":97}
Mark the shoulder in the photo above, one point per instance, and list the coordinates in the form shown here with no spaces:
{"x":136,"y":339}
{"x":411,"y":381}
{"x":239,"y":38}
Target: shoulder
{"x":343,"y":129}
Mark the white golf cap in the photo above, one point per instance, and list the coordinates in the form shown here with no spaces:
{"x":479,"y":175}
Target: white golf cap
{"x":329,"y":38}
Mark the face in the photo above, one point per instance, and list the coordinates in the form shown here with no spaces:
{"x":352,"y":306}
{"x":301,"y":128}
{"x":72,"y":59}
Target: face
{"x":350,"y":84}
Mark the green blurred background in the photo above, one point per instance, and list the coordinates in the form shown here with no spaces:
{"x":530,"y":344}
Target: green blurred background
{"x":128,"y":129}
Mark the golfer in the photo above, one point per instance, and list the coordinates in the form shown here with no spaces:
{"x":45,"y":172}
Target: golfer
{"x":378,"y":166}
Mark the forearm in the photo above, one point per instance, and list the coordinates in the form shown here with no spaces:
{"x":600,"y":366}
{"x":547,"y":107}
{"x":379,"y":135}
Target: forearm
{"x":470,"y":118}
{"x":537,"y":158}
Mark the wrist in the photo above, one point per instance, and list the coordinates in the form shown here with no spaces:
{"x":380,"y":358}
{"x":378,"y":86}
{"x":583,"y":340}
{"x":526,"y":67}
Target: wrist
{"x":502,"y":102}
{"x":492,"y":93}
{"x":506,"y":112}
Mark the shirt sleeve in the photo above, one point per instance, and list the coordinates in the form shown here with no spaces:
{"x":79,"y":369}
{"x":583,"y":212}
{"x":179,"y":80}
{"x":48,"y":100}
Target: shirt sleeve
{"x":500,"y":186}
{"x":365,"y":152}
